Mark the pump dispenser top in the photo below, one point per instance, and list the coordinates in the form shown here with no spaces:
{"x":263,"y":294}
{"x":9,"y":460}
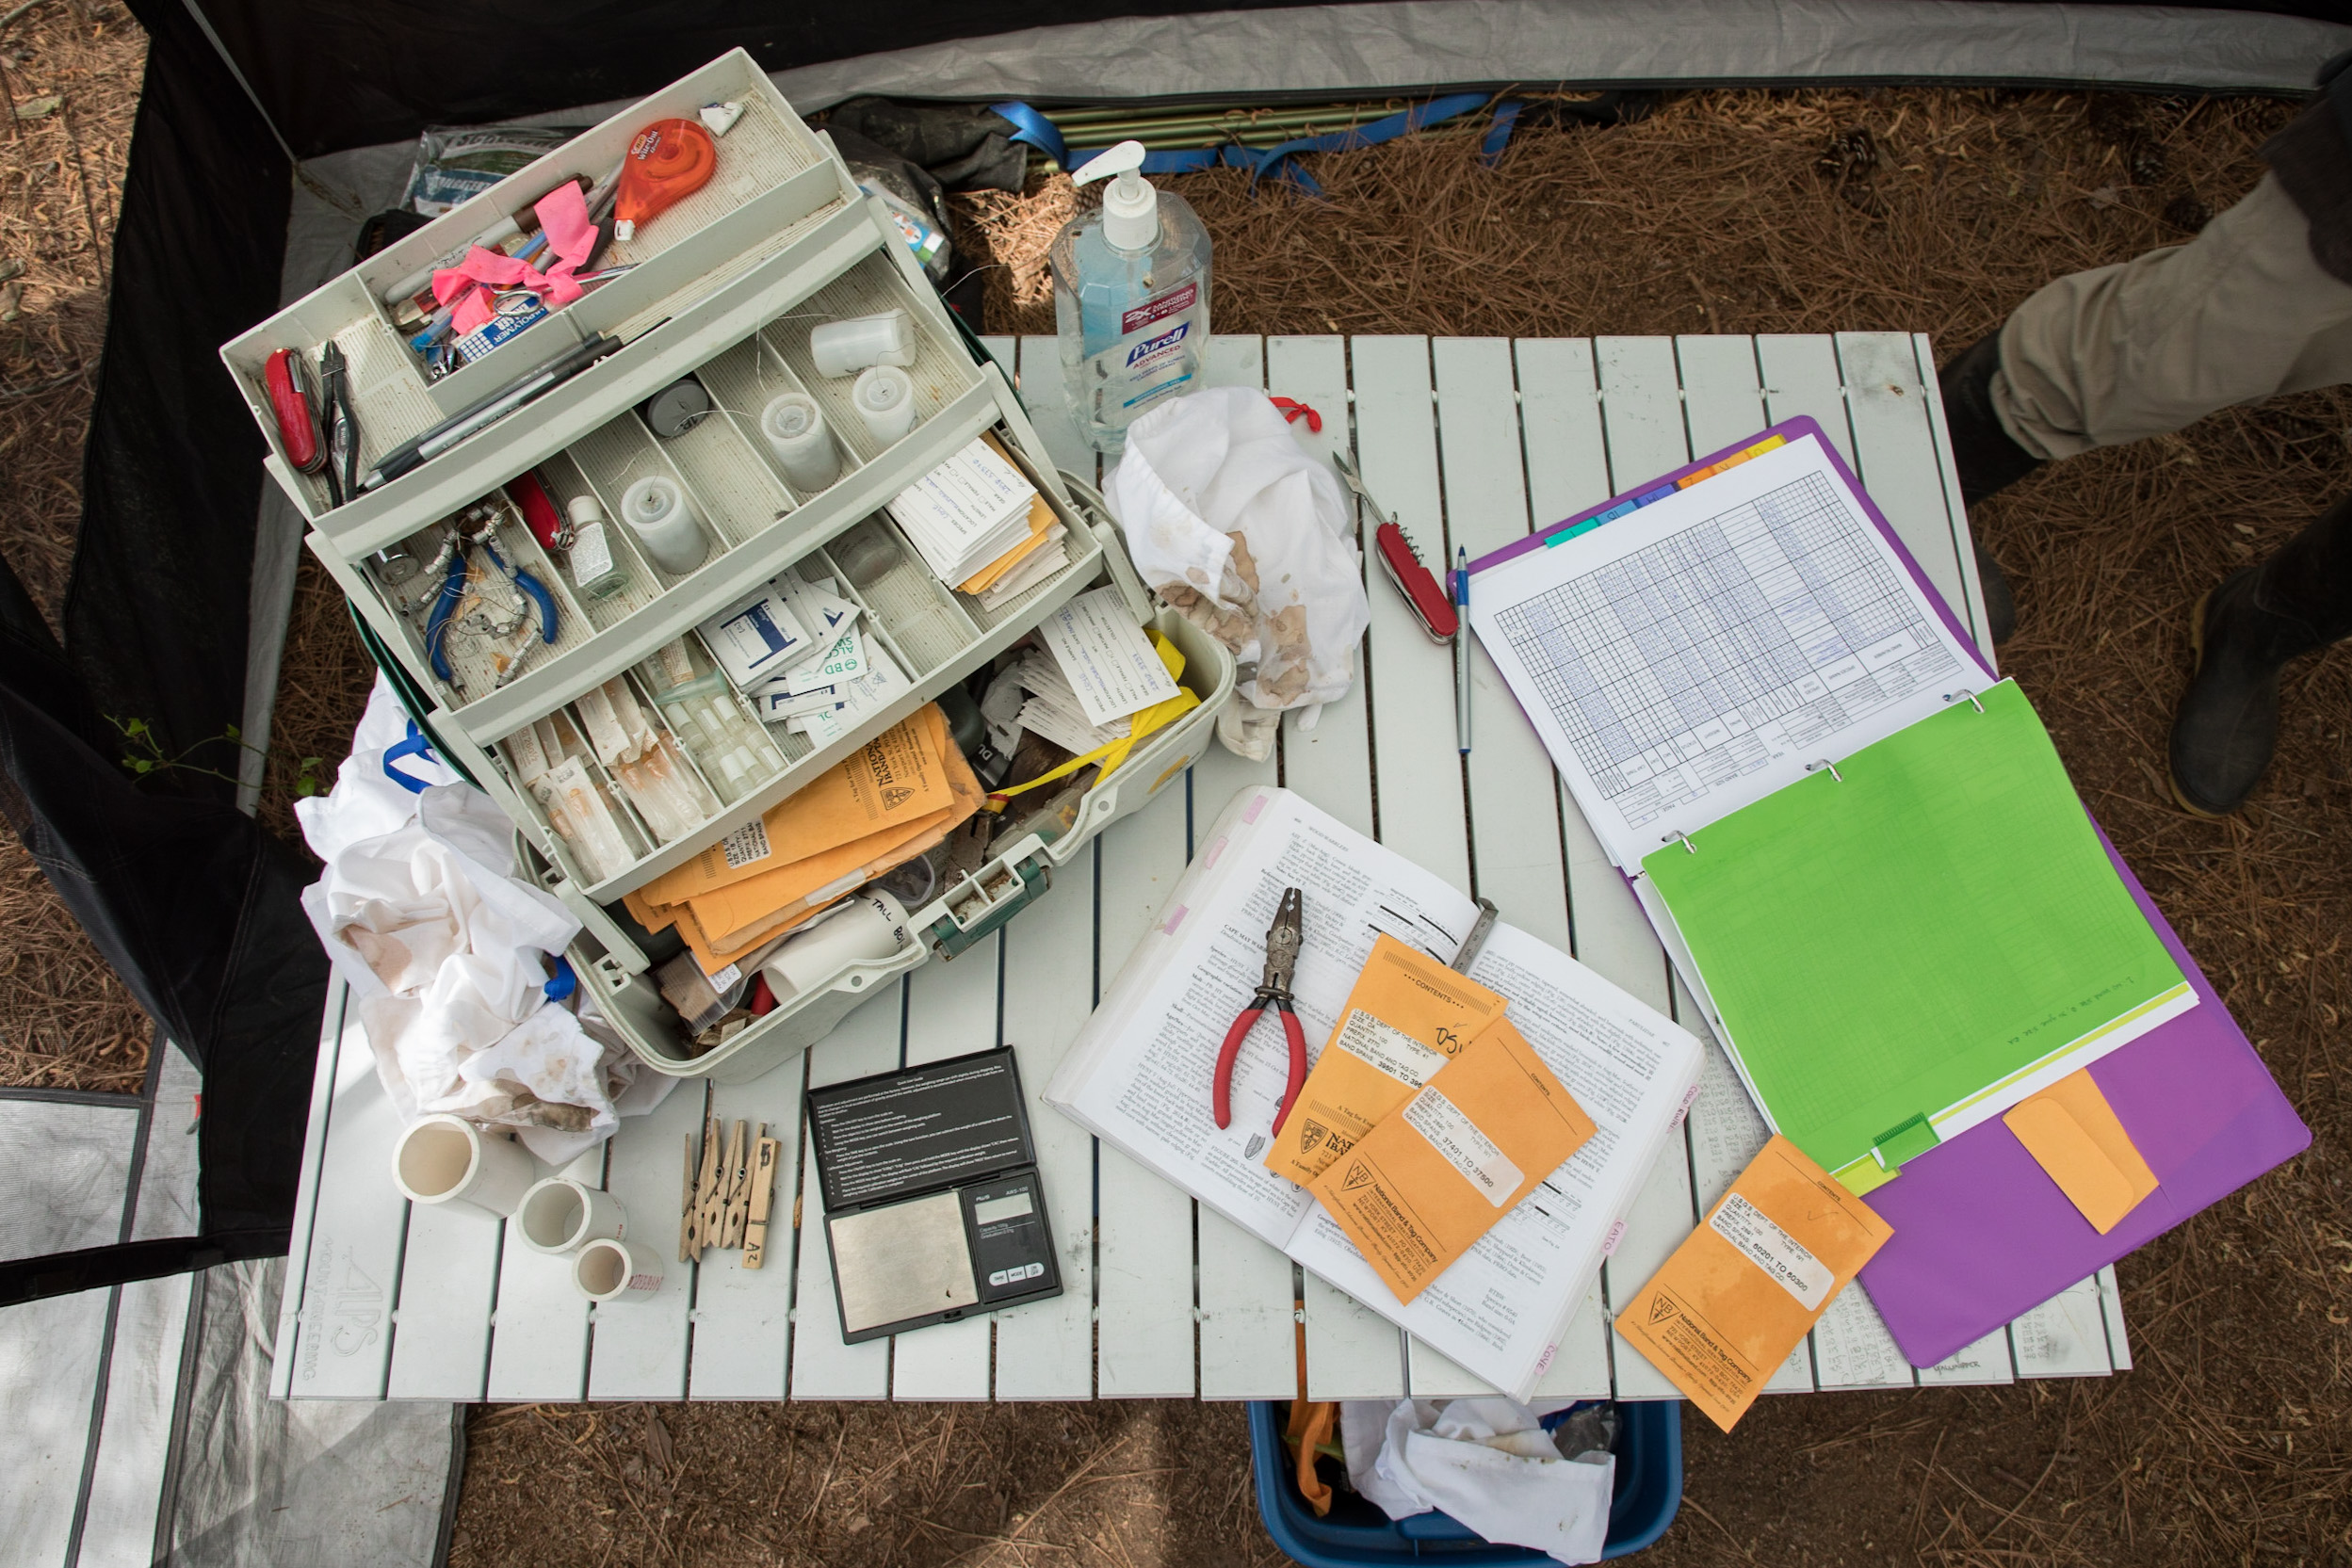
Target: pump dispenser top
{"x":1130,"y":208}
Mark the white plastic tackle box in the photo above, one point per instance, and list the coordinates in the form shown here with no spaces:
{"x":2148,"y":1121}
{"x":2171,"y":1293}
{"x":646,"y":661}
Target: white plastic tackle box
{"x":726,"y":285}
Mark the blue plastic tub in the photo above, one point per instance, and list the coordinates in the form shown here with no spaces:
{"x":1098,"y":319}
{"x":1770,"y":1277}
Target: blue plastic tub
{"x":1357,"y":1533}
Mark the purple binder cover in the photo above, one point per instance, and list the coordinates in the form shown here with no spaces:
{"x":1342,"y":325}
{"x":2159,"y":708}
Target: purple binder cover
{"x":1981,"y":1233}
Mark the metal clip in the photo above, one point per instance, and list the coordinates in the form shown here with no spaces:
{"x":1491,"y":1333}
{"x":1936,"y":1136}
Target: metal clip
{"x":1678,"y":836}
{"x":1831,"y":766}
{"x":1954,"y":696}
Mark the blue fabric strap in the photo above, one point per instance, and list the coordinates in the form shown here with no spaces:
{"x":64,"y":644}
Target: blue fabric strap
{"x":1033,"y":129}
{"x":1499,"y":134}
{"x":414,"y":746}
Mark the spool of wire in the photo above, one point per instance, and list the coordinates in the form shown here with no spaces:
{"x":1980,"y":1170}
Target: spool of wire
{"x":795,"y":430}
{"x":884,"y":397}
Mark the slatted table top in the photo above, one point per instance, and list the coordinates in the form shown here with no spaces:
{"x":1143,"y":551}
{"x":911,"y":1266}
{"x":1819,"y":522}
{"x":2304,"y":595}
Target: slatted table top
{"x":1474,"y":441}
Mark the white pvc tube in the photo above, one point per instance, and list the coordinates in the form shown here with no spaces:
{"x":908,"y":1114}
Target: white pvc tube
{"x":447,"y":1159}
{"x":658,"y":513}
{"x":840,"y":347}
{"x":884,"y":397}
{"x":611,"y":1270}
{"x":795,"y":428}
{"x":560,"y":1215}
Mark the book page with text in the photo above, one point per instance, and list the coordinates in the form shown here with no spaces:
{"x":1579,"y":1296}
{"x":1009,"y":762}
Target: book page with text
{"x":1499,"y":1309}
{"x":1140,"y":1072}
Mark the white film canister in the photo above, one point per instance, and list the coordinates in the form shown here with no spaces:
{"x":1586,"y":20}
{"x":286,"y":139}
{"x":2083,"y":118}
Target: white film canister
{"x":884,"y":397}
{"x":656,"y":511}
{"x":447,"y":1159}
{"x":611,"y":1270}
{"x":795,"y":428}
{"x":869,"y":927}
{"x":560,"y":1215}
{"x":840,"y":347}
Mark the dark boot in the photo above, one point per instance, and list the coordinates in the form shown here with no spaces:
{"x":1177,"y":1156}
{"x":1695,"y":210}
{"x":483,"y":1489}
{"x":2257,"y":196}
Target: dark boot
{"x":1988,"y":458}
{"x":2244,"y":632}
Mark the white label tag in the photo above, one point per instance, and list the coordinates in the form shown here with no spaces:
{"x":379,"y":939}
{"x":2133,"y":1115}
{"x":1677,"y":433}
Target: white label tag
{"x":1775,"y":1251}
{"x":745,"y":844}
{"x":1467,"y":1150}
{"x":592,"y":553}
{"x":1383,"y":1045}
{"x":726,"y":978}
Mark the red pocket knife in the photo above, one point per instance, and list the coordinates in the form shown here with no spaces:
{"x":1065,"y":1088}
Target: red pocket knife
{"x":1404,"y":563}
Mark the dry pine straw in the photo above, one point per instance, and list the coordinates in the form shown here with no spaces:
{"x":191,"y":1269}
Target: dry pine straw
{"x":66,"y":1022}
{"x":2229,"y":1442}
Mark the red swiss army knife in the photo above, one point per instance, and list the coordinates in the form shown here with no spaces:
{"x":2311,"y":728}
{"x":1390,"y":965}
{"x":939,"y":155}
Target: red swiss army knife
{"x":1402,"y":563}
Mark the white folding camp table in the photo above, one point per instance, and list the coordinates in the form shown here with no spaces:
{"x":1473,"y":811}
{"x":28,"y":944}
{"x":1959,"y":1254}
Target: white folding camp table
{"x":1472,"y":441}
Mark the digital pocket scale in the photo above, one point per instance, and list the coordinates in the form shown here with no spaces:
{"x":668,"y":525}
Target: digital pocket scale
{"x":932,"y":1207}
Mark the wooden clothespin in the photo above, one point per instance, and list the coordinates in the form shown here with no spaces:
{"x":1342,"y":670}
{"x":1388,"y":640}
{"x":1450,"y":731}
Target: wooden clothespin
{"x":709,"y":1211}
{"x":739,"y":1208}
{"x":763,"y":1193}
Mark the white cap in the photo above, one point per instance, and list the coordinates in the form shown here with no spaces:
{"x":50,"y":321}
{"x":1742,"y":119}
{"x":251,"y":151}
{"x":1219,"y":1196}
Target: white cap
{"x":1131,"y":208}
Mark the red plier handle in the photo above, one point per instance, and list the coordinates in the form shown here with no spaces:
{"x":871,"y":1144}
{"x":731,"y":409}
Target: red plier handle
{"x":1220,"y":1087}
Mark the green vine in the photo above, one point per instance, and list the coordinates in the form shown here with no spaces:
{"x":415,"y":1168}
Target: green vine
{"x":143,"y":754}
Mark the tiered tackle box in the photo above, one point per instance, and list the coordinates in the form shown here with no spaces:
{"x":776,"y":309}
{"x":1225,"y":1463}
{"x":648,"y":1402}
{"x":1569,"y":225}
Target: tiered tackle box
{"x":726,"y":285}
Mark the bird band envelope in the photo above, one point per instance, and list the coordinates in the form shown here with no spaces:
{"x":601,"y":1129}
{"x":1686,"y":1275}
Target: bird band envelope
{"x":1406,"y":1017}
{"x":2074,"y":1135}
{"x":1427,"y":1181}
{"x":1743,"y":1288}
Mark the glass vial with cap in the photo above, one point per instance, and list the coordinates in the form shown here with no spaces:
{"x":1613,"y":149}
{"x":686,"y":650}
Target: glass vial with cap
{"x":795,"y":430}
{"x":884,"y":397}
{"x":658,"y":513}
{"x":596,"y":573}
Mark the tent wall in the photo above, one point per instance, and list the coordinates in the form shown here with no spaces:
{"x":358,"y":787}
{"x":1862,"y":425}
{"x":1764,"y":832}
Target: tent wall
{"x":341,"y":73}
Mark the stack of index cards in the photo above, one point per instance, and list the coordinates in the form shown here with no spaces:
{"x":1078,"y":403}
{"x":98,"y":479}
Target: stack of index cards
{"x":966,"y":514}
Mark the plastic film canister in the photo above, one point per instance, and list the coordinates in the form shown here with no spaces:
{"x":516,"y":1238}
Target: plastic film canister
{"x":657,"y":513}
{"x":842,"y":347}
{"x":884,"y":397}
{"x":795,"y":430}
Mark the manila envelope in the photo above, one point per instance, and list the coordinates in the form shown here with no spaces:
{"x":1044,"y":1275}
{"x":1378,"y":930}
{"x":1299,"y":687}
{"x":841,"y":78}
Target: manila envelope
{"x":1739,"y":1293}
{"x":725,"y":920}
{"x":1407,"y":1016}
{"x":2072,"y":1133}
{"x":1430,"y":1179}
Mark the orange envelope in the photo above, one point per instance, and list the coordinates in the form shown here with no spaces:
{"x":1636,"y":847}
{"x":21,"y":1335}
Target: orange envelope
{"x":1429,"y":1180}
{"x":1739,"y":1293}
{"x":1407,"y":1016}
{"x":2073,"y":1135}
{"x":898,"y":796}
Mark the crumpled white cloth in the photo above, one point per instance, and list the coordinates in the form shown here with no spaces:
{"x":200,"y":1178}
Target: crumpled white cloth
{"x":440,"y":944}
{"x":1246,"y":534}
{"x":1486,"y":1463}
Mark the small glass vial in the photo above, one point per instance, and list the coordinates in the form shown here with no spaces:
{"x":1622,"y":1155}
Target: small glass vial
{"x":595,"y":573}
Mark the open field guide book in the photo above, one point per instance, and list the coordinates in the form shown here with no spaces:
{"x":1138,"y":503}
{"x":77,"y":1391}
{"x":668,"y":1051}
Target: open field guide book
{"x":1139,"y":1075}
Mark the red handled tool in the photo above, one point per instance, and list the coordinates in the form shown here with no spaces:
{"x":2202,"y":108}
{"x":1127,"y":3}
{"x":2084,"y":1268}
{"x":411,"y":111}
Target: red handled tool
{"x":1402,"y":563}
{"x":1282,"y":960}
{"x":294,"y":399}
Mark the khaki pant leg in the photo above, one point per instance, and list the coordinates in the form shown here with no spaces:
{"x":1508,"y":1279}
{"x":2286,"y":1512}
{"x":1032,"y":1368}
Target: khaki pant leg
{"x":2145,"y":347}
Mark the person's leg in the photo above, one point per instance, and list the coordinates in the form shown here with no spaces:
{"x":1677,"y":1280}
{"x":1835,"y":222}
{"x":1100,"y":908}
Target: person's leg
{"x":2245,"y":632}
{"x":2142,"y":348}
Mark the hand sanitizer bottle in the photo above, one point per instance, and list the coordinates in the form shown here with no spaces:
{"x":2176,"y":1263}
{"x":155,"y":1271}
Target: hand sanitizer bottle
{"x":1131,"y":295}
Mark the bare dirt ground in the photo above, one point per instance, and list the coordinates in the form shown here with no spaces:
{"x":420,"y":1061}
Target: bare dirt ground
{"x":2231,"y":1442}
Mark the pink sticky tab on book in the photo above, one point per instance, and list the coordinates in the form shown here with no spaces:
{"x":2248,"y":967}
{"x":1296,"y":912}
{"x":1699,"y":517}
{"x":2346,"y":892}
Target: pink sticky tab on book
{"x":1208,"y":861}
{"x":1176,"y":918}
{"x":1249,"y":812}
{"x":1616,"y":1233}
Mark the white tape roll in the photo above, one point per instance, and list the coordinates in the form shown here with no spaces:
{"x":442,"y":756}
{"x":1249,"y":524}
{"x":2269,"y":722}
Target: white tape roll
{"x":840,"y":347}
{"x":884,"y":397}
{"x":659,"y":514}
{"x":795,"y":428}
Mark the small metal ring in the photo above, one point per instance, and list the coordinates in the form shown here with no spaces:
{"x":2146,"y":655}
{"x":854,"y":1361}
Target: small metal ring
{"x":1831,"y":766}
{"x":1951,"y":695}
{"x":1678,"y":836}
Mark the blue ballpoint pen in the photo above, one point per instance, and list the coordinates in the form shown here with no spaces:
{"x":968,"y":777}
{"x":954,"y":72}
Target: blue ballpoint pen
{"x":1462,"y":648}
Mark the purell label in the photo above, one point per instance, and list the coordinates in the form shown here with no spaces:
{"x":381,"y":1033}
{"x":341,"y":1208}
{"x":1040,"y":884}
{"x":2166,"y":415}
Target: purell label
{"x":1136,"y":318}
